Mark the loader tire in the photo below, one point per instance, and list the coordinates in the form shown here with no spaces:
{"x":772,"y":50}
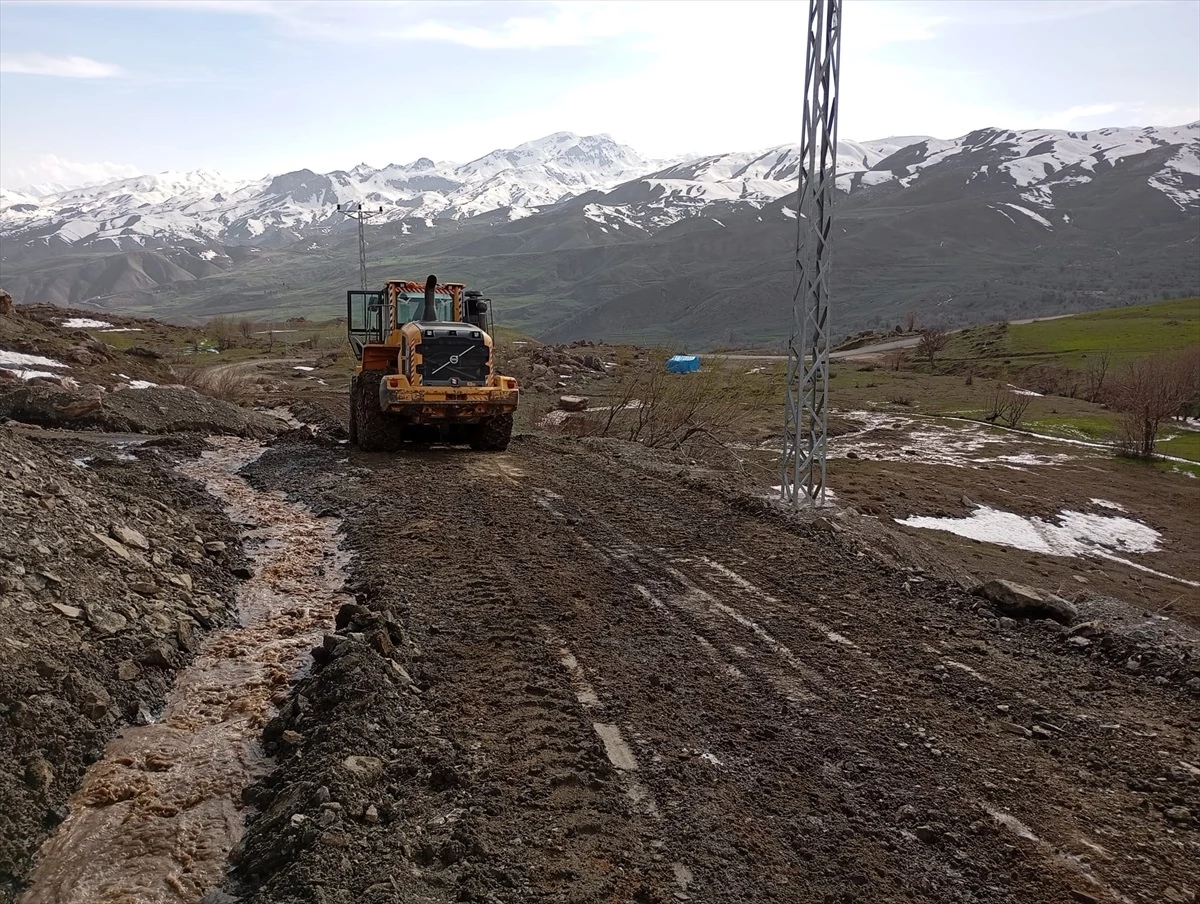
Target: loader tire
{"x":354,"y":411}
{"x":376,"y":431}
{"x":493,"y":434}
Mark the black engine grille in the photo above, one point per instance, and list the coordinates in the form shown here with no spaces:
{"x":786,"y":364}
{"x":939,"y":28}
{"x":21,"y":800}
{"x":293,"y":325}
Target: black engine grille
{"x":446,"y":359}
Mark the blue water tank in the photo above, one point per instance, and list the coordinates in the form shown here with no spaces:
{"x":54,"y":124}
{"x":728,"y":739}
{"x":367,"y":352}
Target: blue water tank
{"x":683,"y":364}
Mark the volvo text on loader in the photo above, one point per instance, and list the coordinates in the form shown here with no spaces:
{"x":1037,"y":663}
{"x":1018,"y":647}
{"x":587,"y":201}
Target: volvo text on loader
{"x":426,"y":369}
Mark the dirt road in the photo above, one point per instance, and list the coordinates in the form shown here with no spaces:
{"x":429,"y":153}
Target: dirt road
{"x":570,"y":680}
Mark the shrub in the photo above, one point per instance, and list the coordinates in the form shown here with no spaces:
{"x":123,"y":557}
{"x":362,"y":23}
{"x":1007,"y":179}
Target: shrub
{"x":217,"y":382}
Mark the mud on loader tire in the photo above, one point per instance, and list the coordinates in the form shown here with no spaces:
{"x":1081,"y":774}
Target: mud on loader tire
{"x":493,"y":434}
{"x":375,"y":431}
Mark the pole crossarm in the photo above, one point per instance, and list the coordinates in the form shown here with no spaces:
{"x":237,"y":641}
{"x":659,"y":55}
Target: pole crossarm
{"x":806,"y":423}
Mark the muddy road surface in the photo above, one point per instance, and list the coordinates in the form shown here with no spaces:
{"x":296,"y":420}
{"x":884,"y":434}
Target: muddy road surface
{"x":568,"y":679}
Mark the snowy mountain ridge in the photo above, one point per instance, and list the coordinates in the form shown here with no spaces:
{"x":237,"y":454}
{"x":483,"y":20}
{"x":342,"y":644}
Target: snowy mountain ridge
{"x":205,"y":207}
{"x":204,"y":214}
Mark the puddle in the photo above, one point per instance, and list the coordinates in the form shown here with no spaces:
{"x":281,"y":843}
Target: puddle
{"x":154,"y":820}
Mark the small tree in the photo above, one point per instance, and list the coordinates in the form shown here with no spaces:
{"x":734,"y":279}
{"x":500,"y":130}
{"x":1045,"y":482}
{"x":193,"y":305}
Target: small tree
{"x":896,"y":358}
{"x":931,"y":342}
{"x":1150,"y":391}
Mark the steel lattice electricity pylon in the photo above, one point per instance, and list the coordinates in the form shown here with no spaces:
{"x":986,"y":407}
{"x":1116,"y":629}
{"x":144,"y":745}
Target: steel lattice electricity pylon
{"x":806,"y":422}
{"x":362,"y":215}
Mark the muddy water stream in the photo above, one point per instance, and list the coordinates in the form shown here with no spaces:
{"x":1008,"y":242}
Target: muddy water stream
{"x":155,"y":819}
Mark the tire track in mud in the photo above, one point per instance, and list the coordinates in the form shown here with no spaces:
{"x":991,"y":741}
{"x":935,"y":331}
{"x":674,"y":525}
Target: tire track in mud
{"x":806,"y":724}
{"x":920,"y":681}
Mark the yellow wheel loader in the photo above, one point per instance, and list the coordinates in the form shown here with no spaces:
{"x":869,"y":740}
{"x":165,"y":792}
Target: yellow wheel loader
{"x":426,"y":369}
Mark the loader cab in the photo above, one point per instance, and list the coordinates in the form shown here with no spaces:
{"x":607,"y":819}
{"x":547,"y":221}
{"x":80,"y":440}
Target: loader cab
{"x":377,"y":317}
{"x":366,"y":320}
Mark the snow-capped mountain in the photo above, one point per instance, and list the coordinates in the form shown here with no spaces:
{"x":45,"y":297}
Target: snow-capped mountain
{"x":1037,"y":163}
{"x":979,"y":221}
{"x":203,"y":208}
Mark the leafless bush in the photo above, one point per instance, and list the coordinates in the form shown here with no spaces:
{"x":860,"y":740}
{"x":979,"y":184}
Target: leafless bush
{"x":904,"y":400}
{"x":932,"y":341}
{"x":1097,"y":370}
{"x":246,"y":327}
{"x":673,"y":411}
{"x":1007,"y":407}
{"x":223,"y":331}
{"x":896,"y":359}
{"x":1148,"y":392}
{"x":217,"y":382}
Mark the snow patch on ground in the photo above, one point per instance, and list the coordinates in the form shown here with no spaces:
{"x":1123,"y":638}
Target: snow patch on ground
{"x":123,"y":329}
{"x":29,"y":374}
{"x":1029,"y":213}
{"x":888,"y":437}
{"x":303,"y":367}
{"x":1075,"y":534}
{"x":84,"y":323}
{"x":18,"y":359}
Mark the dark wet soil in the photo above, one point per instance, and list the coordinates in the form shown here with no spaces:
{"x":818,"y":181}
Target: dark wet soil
{"x":566,"y":679}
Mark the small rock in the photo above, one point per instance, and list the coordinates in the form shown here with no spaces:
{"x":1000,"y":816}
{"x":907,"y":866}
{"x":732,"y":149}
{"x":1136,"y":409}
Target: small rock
{"x":573,"y":403}
{"x":928,"y":834}
{"x":186,"y":634}
{"x":214,"y":546}
{"x":366,"y":769}
{"x":145,"y":588}
{"x":1021,"y":601}
{"x":291,"y":737}
{"x":219,"y":897}
{"x":1092,"y":628}
{"x":117,"y":549}
{"x":1178,"y":814}
{"x":68,"y":611}
{"x":104,"y":621}
{"x":1079,"y":642}
{"x":128,"y":670}
{"x":242,"y":572}
{"x":371,"y":815}
{"x":39,"y":773}
{"x":143,"y":716}
{"x":1013,"y":728}
{"x":129,"y":537}
{"x":298,"y":819}
{"x":159,"y":655}
{"x":1040,"y":733}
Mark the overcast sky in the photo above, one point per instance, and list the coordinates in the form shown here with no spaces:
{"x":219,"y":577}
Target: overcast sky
{"x":102,"y":88}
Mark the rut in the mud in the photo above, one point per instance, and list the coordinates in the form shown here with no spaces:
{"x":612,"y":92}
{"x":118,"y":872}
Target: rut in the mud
{"x":155,"y":819}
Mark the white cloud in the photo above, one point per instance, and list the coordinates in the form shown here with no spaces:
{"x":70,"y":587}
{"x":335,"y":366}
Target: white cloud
{"x":63,"y":67}
{"x":50,"y":172}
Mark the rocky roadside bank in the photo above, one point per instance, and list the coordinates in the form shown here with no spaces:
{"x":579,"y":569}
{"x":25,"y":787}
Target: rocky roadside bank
{"x":112,"y":567}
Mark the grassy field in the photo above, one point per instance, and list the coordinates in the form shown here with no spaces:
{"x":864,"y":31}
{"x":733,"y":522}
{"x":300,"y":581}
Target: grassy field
{"x":1125,"y":333}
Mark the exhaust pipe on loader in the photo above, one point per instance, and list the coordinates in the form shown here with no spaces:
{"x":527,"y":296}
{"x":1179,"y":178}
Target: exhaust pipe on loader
{"x":429,"y":315}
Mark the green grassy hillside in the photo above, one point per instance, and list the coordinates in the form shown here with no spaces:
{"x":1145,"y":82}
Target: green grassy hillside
{"x":1125,"y":332}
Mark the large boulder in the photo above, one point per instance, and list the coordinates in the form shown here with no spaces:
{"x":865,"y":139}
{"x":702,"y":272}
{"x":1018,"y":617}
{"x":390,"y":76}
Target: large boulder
{"x":1021,"y":601}
{"x":6,"y":303}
